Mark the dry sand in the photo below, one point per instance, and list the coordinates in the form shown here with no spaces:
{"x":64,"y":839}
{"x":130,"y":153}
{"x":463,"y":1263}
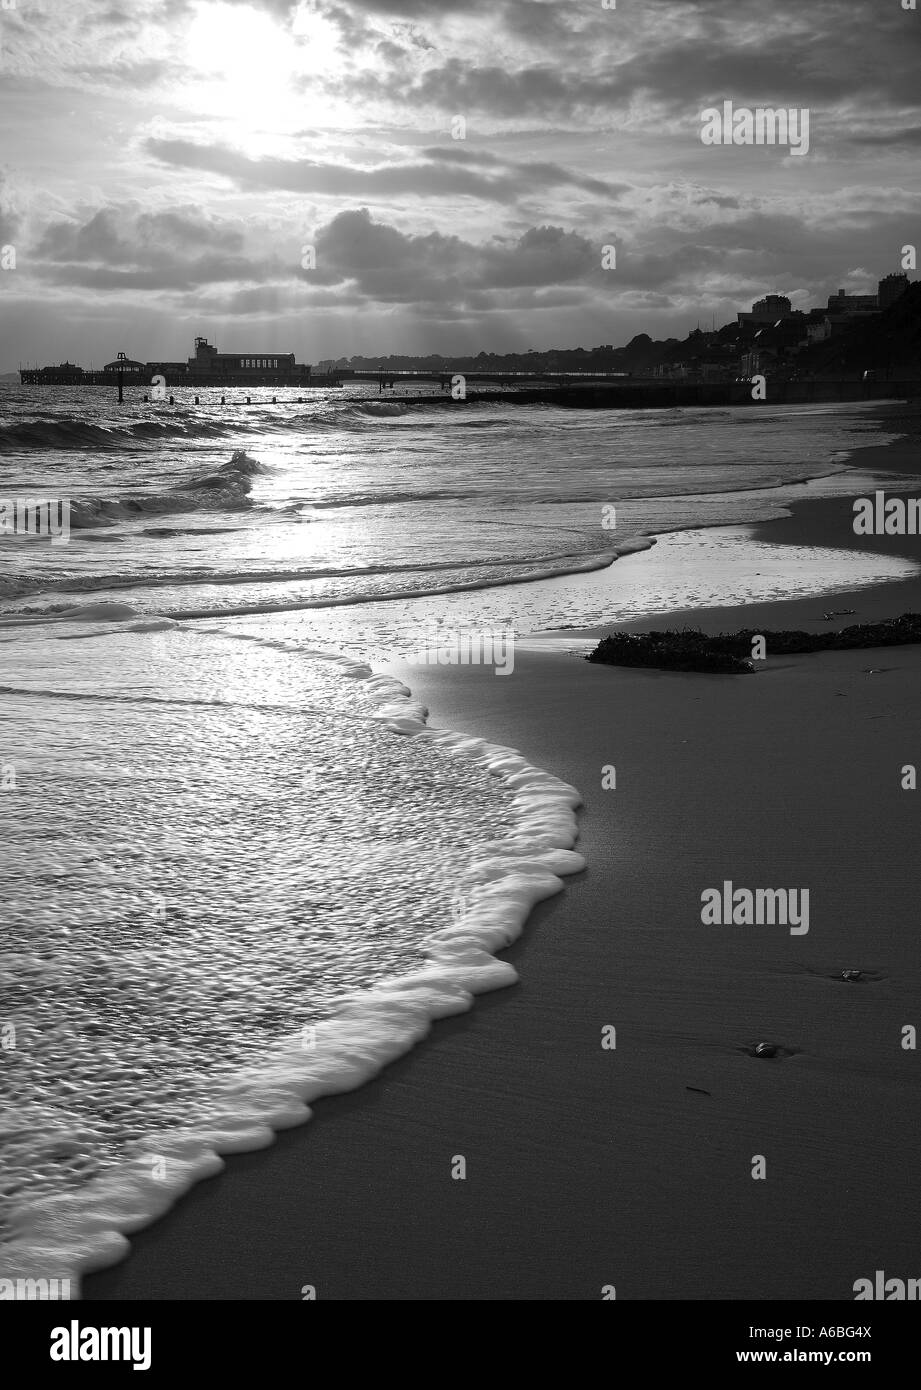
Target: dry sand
{"x":589,"y":1167}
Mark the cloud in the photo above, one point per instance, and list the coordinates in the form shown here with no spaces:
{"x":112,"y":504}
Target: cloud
{"x":134,"y":73}
{"x":546,"y":174}
{"x":126,"y":248}
{"x":908,"y":137}
{"x":126,"y":235}
{"x":582,"y":128}
{"x":10,"y":220}
{"x":393,"y":266}
{"x":441,"y":174}
{"x":582,"y":61}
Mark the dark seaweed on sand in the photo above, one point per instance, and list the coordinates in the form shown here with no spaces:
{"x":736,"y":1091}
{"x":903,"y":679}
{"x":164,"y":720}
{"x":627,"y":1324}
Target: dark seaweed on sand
{"x":731,"y":652}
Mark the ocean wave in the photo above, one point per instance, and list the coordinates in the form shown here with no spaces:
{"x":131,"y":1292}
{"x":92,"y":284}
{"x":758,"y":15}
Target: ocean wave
{"x":391,"y":498}
{"x":226,"y":488}
{"x":86,"y":1226}
{"x":528,"y":572}
{"x":380,"y":409}
{"x":73,"y":432}
{"x":492,"y":572}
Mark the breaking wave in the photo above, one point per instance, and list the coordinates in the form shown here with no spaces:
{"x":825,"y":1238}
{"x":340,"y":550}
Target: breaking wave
{"x":226,"y":488}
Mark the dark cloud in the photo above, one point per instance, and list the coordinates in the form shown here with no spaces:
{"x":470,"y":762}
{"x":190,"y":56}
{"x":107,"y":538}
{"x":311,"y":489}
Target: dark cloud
{"x":677,"y":56}
{"x":113,"y":18}
{"x":201,"y":270}
{"x":441,"y":175}
{"x":543,"y":173}
{"x":685,"y":78}
{"x":127,"y":236}
{"x":124,"y":248}
{"x":719,"y":200}
{"x":592,"y":90}
{"x":542,"y":256}
{"x":393,"y":266}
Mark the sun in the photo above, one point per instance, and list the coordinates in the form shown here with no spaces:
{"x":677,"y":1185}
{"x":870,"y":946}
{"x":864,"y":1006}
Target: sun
{"x":259,"y":74}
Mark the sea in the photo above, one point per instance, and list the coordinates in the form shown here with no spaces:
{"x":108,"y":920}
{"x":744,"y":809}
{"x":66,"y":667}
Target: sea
{"x":239,"y":868}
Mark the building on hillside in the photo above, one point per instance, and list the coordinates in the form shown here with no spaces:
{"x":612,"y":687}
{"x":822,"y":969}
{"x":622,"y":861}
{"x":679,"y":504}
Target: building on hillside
{"x":891,"y":288}
{"x":852,"y":305}
{"x":714,"y":370}
{"x":818,"y":330}
{"x":768,"y":310}
{"x":775,"y":345}
{"x":757,"y":362}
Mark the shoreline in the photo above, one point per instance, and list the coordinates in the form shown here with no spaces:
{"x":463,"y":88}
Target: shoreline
{"x":813,"y":522}
{"x":583,"y":1162}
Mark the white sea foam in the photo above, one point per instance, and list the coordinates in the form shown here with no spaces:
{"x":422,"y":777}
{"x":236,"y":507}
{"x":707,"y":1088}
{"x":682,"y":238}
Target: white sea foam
{"x":86,"y":1228}
{"x":500,"y":497}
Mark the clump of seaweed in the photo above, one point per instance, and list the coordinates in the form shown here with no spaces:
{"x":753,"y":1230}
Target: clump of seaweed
{"x":729,"y":653}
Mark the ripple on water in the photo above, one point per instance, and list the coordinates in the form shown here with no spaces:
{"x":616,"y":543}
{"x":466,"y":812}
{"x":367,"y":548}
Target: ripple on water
{"x":206,"y":859}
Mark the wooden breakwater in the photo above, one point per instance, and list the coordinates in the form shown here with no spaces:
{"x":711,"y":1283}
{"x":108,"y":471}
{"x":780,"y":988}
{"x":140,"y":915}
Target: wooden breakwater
{"x":657,"y":395}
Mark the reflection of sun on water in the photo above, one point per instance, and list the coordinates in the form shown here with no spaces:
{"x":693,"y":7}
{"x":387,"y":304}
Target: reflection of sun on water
{"x":248,"y":67}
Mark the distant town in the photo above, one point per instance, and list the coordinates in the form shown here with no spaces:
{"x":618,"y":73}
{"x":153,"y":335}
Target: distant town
{"x":771,"y":338}
{"x":852,"y":335}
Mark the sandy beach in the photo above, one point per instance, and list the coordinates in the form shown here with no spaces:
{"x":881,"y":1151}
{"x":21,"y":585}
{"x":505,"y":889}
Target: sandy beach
{"x":589,"y":1166}
{"x":384,"y":380}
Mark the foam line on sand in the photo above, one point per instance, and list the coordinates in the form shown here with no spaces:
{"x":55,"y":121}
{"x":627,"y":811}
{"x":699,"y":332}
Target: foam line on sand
{"x":62,"y":1236}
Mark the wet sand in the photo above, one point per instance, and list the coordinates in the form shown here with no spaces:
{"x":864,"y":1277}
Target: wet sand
{"x":632,"y":1166}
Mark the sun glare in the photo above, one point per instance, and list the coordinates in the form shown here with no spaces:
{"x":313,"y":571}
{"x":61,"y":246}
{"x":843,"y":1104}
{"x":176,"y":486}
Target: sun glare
{"x":257,"y":72}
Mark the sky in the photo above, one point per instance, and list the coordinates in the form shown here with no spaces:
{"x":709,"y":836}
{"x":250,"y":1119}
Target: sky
{"x":341,"y":177}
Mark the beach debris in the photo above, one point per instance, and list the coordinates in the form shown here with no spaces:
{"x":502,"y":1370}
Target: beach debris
{"x":769,"y":1050}
{"x":699,"y":1089}
{"x":690,"y":649}
{"x":852,"y":975}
